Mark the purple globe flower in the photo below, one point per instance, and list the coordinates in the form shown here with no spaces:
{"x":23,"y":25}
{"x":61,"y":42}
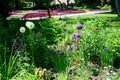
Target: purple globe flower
{"x":62,"y":54}
{"x":76,"y":35}
{"x":73,"y":35}
{"x":79,"y":26}
{"x":58,"y":51}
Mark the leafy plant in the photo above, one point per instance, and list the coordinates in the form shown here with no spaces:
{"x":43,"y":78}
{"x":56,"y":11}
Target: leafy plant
{"x":106,"y":7}
{"x":51,"y":30}
{"x":35,"y":44}
{"x":62,"y":76}
{"x":23,"y":75}
{"x":59,"y":59}
{"x":8,"y":64}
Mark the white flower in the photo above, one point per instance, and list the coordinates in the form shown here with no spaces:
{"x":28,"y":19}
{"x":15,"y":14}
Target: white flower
{"x":108,"y":79}
{"x":30,"y":25}
{"x":44,"y":69}
{"x":22,"y":29}
{"x":114,"y":73}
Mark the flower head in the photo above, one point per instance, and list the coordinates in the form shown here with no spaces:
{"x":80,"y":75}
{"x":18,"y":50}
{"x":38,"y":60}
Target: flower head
{"x":58,"y":51}
{"x":71,"y":47}
{"x":52,"y":52}
{"x":30,"y":25}
{"x":105,"y":48}
{"x":62,"y":54}
{"x":79,"y":26}
{"x":54,"y":47}
{"x":65,"y":29}
{"x":76,"y":35}
{"x":22,"y":29}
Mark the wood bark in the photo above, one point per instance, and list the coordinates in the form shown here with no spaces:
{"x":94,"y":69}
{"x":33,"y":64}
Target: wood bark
{"x":48,"y":8}
{"x":117,"y":2}
{"x":61,"y":6}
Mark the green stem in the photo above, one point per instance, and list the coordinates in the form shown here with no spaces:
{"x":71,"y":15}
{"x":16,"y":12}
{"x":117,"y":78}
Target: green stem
{"x":31,"y":46}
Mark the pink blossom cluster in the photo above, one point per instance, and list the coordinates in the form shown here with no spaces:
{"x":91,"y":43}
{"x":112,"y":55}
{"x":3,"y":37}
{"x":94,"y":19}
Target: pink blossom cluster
{"x":14,"y":12}
{"x":43,"y":13}
{"x":32,"y":15}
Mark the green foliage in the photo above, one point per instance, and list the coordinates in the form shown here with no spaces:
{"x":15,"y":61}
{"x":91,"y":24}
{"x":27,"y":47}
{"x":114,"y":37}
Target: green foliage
{"x":60,"y":61}
{"x":62,"y":76}
{"x":35,"y":46}
{"x":4,"y":8}
{"x":51,"y":30}
{"x":42,"y":4}
{"x":86,"y":4}
{"x":48,"y":43}
{"x":108,"y":7}
{"x":78,"y":2}
{"x":23,"y":75}
{"x":8,"y":66}
{"x":118,"y":77}
{"x":98,"y":42}
{"x":97,"y":39}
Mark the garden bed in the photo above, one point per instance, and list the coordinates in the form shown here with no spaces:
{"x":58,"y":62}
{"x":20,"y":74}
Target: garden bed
{"x":43,"y":13}
{"x":72,"y":48}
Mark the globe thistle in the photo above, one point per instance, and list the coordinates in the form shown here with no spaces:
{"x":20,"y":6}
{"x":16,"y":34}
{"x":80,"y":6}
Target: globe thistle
{"x":79,"y":26}
{"x":30,"y":25}
{"x":75,"y":35}
{"x":22,"y":29}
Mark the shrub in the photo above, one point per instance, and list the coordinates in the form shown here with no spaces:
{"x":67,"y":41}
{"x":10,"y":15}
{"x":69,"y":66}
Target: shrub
{"x":51,"y":29}
{"x":106,"y":7}
{"x":99,"y":40}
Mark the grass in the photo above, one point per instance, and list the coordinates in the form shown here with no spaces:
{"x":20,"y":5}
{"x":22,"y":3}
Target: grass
{"x":94,"y":55}
{"x":91,"y":16}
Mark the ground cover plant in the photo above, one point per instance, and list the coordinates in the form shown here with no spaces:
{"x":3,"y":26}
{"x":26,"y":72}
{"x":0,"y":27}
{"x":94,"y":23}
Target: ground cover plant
{"x":43,"y":13}
{"x":70,"y":48}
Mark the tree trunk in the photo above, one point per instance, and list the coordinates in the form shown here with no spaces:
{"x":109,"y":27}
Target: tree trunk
{"x":117,"y":2}
{"x":68,"y":3}
{"x":48,"y":8}
{"x":59,"y":1}
{"x":61,"y":7}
